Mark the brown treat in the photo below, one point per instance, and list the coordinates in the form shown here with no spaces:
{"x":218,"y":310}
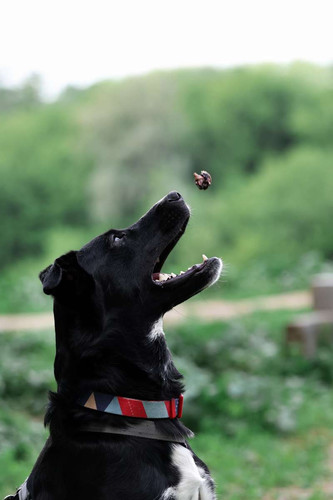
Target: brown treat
{"x":204,"y":180}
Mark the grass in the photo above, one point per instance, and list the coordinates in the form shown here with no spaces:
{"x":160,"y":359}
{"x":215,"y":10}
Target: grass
{"x":247,"y":446}
{"x":254,"y":463}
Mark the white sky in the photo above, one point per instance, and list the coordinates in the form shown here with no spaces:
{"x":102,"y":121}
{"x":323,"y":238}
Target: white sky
{"x":79,"y":42}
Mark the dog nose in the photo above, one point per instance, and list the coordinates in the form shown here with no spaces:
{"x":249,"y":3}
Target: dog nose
{"x":174,"y":196}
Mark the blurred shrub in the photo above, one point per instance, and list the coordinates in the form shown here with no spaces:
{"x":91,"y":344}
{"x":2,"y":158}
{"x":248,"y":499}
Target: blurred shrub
{"x":21,"y":440}
{"x":240,"y":375}
{"x":281,"y":219}
{"x":21,"y":290}
{"x":18,"y":435}
{"x":26,"y":371}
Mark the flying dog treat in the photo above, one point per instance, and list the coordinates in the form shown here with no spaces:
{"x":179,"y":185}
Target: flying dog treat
{"x":204,"y":180}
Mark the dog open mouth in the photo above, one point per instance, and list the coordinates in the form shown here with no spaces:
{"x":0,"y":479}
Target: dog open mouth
{"x":166,"y":279}
{"x":162,"y":277}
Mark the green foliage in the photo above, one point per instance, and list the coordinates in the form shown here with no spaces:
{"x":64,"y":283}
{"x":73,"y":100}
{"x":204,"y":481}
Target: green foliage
{"x":43,"y":179}
{"x":100,"y":157}
{"x":26,"y":376}
{"x":21,"y":290}
{"x":287,"y":206}
{"x":21,"y":441}
{"x":240,"y":375}
{"x":134,"y":129}
{"x":238,"y":117}
{"x":280,"y":220}
{"x":26,"y":371}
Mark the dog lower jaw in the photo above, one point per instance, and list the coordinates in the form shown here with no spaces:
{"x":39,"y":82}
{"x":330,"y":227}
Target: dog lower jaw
{"x":178,"y":290}
{"x":215,"y":274}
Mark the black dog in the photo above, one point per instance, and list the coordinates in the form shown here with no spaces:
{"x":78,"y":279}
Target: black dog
{"x":111,"y":356}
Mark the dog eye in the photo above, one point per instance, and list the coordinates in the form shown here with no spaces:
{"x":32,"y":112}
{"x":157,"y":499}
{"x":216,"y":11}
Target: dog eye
{"x":117,"y":238}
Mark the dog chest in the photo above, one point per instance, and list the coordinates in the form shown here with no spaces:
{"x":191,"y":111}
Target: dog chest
{"x":193,"y":484}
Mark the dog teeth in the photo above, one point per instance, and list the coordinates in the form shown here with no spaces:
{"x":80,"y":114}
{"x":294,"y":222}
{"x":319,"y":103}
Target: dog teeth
{"x":166,"y":276}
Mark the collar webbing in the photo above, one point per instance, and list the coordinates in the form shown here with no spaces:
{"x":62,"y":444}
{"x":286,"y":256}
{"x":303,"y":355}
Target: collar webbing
{"x":145,"y":429}
{"x":129,"y":407}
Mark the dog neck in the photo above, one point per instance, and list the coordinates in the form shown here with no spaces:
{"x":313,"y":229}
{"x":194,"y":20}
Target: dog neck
{"x":128,"y":358}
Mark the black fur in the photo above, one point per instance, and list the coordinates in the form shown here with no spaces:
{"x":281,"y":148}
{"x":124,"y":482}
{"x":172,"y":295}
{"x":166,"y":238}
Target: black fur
{"x":105,"y":303}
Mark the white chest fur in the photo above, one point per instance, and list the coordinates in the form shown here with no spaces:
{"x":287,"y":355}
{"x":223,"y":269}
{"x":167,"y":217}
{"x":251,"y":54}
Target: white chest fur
{"x":156,"y":330}
{"x":192,"y":484}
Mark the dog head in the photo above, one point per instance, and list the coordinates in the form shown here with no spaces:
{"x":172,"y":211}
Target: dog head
{"x":122,"y":268}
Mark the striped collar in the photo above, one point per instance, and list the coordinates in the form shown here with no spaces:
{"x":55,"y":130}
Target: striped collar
{"x":129,"y":407}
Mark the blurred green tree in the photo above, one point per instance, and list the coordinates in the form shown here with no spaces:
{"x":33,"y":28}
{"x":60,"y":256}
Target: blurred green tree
{"x":237,"y":117}
{"x":102,"y":156}
{"x":135,"y":131}
{"x":43,"y":179}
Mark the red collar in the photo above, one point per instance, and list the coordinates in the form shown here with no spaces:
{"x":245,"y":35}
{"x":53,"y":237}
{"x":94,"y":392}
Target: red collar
{"x":129,"y":407}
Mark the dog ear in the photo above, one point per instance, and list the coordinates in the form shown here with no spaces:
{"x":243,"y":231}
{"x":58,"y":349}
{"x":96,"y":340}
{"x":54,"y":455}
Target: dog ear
{"x":64,"y":270}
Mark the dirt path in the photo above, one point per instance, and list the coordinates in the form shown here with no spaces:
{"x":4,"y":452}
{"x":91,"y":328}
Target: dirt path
{"x":204,"y":310}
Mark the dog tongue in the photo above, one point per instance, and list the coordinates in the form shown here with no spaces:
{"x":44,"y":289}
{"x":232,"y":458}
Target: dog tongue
{"x":156,"y":276}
